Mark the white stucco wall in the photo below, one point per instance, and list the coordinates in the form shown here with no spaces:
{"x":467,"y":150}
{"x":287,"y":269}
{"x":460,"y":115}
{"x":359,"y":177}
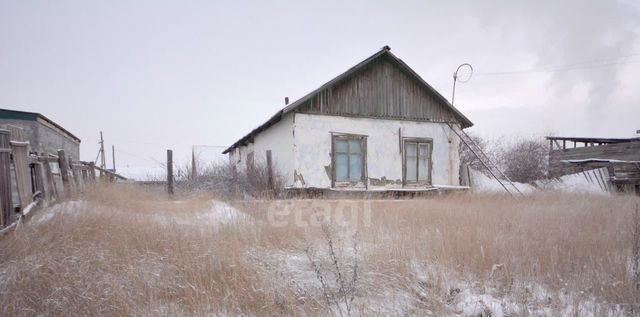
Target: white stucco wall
{"x":312,"y":148}
{"x":277,"y":138}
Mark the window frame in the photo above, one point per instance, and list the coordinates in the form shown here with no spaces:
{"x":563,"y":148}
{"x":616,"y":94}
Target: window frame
{"x":417,"y":141}
{"x":363,"y":146}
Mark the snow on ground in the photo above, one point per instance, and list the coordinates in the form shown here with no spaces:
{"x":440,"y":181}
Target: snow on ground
{"x":591,"y":181}
{"x":221,"y":213}
{"x":487,"y":184}
{"x":218,"y":213}
{"x":65,"y":207}
{"x":471,"y":304}
{"x":425,"y":290}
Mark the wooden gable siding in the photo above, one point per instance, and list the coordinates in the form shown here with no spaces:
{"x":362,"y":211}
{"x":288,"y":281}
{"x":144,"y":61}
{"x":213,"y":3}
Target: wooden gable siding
{"x":380,"y":90}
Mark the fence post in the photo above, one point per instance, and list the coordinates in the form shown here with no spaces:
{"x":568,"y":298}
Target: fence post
{"x":270,"y":169}
{"x":50,"y":182}
{"x":85,"y":174}
{"x":21,"y":167}
{"x":92,"y":172}
{"x":76,"y":175}
{"x":170,"y":172}
{"x":6,"y":203}
{"x":64,"y":173}
{"x":20,"y":153}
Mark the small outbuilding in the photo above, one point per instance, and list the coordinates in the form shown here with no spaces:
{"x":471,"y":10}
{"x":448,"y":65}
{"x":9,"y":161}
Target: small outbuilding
{"x":376,"y":127}
{"x":44,"y":135}
{"x":620,"y":158}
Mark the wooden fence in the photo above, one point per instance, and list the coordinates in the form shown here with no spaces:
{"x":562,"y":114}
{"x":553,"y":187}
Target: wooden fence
{"x":27,"y":178}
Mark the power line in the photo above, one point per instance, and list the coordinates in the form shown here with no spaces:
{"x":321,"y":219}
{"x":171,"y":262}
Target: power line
{"x":146,"y":158}
{"x":170,"y":144}
{"x":206,"y":145}
{"x":591,"y":64}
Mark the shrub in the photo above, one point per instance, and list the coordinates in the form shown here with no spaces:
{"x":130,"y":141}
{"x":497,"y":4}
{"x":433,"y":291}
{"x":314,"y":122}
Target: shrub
{"x":225,"y":180}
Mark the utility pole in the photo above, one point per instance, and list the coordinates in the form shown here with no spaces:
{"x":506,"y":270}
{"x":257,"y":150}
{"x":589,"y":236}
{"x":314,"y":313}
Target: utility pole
{"x":102,"y":159}
{"x":113,"y":157}
{"x":101,"y":155}
{"x":194,"y":171}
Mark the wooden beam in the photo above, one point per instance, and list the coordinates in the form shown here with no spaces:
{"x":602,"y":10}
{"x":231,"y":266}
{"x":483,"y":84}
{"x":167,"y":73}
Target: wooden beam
{"x":6,"y":203}
{"x":92,"y":172}
{"x":75,"y":172}
{"x":64,"y":173}
{"x":23,"y":172}
{"x":170,"y":172}
{"x":270,"y":169}
{"x":110,"y":173}
{"x":49,"y":182}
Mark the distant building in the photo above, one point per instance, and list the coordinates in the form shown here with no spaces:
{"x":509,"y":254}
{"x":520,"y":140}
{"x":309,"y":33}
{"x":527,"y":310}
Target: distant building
{"x":377,"y":126}
{"x":44,"y":135}
{"x":620,"y":156}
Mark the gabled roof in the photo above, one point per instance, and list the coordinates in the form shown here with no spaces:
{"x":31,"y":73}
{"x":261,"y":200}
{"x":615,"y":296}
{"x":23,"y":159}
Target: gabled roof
{"x":384,"y":52}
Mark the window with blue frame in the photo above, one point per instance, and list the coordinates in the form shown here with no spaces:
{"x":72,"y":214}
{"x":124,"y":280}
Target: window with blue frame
{"x":349,"y":152}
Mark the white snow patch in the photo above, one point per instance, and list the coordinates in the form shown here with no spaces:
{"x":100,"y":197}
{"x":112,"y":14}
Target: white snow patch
{"x":62,"y":208}
{"x":218,"y":213}
{"x":483,"y":183}
{"x":594,"y":181}
{"x":222,"y":213}
{"x":471,"y":304}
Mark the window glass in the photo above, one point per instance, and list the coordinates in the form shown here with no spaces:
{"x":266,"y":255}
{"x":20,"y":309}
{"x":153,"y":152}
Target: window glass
{"x":423,"y":169}
{"x":341,"y":146}
{"x":411,"y":169}
{"x":348,"y":158}
{"x":410,"y":148}
{"x":417,"y":161}
{"x":355,"y":167}
{"x":423,"y":149}
{"x":342,"y":171}
{"x":355,"y":146}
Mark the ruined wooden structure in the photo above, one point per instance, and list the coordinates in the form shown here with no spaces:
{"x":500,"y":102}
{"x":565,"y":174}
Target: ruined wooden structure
{"x":621,"y":157}
{"x":28,"y":178}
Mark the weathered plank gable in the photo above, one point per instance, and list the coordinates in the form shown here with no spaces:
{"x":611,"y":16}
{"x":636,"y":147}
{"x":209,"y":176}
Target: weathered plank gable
{"x":379,"y":90}
{"x":381,"y":86}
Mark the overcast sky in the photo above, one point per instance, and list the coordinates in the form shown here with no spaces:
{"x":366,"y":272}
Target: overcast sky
{"x":156,"y":74}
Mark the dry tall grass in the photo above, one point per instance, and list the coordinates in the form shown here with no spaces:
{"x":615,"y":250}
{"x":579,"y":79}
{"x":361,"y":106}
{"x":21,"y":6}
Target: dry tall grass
{"x":126,"y":252}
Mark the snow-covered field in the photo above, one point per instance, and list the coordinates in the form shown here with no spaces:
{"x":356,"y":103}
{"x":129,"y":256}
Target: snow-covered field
{"x":127,"y":252}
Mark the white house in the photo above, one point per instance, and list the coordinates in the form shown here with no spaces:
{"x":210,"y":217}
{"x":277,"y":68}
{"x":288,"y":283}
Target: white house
{"x":377,"y":126}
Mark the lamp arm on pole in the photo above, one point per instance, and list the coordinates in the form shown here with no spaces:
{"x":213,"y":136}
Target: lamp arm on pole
{"x":455,"y":79}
